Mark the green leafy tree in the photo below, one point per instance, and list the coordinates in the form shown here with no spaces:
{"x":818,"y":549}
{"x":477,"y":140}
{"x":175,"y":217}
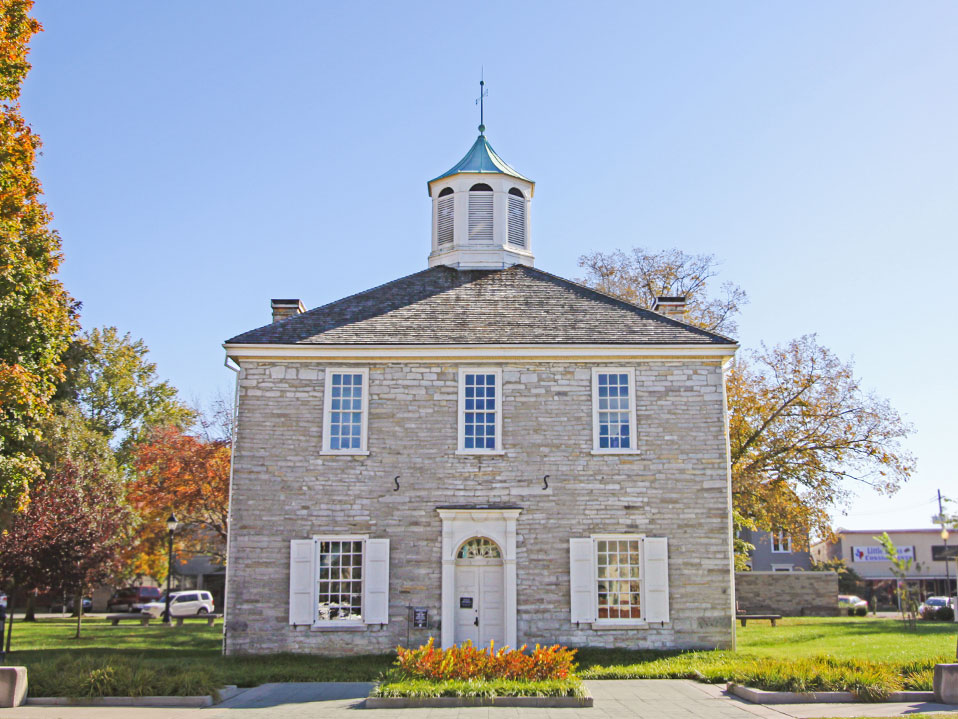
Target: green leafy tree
{"x":37,"y":316}
{"x":117,"y":390}
{"x":900,"y":568}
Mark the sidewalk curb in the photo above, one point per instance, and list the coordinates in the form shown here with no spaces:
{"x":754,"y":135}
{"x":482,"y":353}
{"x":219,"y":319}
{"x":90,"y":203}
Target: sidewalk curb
{"x":760,"y":696}
{"x":225,"y":693}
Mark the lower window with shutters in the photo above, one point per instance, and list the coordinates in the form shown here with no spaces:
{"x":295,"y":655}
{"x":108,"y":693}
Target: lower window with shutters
{"x":339,"y":582}
{"x":619,"y":580}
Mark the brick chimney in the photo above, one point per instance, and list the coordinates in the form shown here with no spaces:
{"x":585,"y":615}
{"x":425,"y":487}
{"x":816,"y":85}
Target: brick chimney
{"x":673,"y":307}
{"x":286,"y":308}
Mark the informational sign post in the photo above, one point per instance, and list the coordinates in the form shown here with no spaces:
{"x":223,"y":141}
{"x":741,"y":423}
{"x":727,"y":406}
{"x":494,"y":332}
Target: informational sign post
{"x":420,"y":617}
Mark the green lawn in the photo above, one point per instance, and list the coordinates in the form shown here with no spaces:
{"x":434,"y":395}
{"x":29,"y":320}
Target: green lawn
{"x":863,"y":652}
{"x":848,"y":638}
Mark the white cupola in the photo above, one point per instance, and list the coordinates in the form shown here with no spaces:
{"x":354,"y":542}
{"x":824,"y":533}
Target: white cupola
{"x":480,"y":213}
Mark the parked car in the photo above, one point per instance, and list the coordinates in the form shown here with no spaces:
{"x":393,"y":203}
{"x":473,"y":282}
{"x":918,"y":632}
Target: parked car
{"x":132,"y":599}
{"x":66,"y":605}
{"x":854,"y":605}
{"x":3,"y":600}
{"x":930,"y":608}
{"x":182,"y":604}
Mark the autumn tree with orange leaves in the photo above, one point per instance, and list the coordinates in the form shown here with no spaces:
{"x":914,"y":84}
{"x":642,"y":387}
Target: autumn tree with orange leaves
{"x":187,"y":474}
{"x":37,"y":316}
{"x":801,"y":427}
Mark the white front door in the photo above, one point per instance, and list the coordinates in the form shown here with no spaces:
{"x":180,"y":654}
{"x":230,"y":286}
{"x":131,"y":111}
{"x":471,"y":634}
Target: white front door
{"x":480,"y":609}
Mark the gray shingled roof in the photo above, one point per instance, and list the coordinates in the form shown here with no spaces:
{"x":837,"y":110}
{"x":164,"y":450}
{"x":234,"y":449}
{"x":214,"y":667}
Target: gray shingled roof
{"x":517,"y":305}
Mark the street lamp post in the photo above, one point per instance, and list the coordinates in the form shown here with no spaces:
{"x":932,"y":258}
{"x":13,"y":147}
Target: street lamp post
{"x":944,"y":538}
{"x":171,"y":525}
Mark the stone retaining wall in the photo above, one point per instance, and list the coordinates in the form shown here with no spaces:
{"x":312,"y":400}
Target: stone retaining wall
{"x":791,"y":594}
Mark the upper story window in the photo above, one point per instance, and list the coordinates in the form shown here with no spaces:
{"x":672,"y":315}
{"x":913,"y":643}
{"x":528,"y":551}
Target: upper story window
{"x":613,"y":410}
{"x":345,"y":411}
{"x":480,"y":213}
{"x":781,"y":542}
{"x":445,"y":209}
{"x":480,"y":411}
{"x":517,"y":217}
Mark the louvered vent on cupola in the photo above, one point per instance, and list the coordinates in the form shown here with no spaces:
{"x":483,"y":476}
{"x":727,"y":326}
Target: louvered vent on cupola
{"x":444,"y":221}
{"x":517,"y":218}
{"x":480,"y":213}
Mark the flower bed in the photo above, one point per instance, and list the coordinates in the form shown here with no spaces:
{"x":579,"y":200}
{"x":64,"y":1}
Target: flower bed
{"x":467,"y":671}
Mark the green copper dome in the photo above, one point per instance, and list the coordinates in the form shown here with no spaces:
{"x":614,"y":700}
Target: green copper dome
{"x":481,"y":158}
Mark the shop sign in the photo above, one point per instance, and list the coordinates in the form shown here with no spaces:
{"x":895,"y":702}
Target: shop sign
{"x":877,"y":554}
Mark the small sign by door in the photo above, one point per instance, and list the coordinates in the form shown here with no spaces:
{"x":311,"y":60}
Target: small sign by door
{"x":420,"y":616}
{"x":465,"y":602}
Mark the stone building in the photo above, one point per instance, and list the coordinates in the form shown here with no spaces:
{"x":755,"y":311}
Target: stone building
{"x":479,"y":451}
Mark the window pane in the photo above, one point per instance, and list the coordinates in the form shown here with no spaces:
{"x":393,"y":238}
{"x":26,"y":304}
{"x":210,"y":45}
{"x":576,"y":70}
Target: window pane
{"x":346,"y":411}
{"x":618,"y":586}
{"x":478,"y":411}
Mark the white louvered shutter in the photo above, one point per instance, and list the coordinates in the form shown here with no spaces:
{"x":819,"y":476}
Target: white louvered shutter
{"x":376,"y":582}
{"x":444,"y":223}
{"x":301,"y":581}
{"x":582,"y":587}
{"x":480,"y":216}
{"x":655,"y":580}
{"x":517,"y":221}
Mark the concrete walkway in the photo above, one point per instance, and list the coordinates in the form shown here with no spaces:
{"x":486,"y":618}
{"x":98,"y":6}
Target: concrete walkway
{"x":628,"y":699}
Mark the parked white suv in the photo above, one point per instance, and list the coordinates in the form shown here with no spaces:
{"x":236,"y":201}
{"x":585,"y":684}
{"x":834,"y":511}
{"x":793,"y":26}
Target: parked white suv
{"x":182,"y":604}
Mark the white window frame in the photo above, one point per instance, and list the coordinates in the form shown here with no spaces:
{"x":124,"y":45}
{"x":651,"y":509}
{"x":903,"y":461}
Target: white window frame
{"x":461,"y":446}
{"x":631,"y":622}
{"x":784,"y":542}
{"x":630,"y":371}
{"x":327,"y":410}
{"x":318,"y":623}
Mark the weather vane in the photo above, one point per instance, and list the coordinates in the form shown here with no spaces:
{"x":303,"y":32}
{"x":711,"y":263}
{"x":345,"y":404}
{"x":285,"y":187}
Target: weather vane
{"x":482,"y":94}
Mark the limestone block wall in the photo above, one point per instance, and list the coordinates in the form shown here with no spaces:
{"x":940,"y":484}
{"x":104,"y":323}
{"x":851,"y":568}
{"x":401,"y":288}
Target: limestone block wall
{"x":676,"y":487}
{"x":791,"y":594}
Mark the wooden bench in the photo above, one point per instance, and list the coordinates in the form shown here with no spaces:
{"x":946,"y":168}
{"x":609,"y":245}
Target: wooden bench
{"x":210,"y":618}
{"x":115,"y":619}
{"x":743,"y":618}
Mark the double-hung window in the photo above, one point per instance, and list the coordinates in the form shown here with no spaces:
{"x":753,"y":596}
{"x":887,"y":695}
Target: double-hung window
{"x":480,"y":411}
{"x":619,"y":580}
{"x":781,"y":542}
{"x":338,"y":582}
{"x":340,"y":589}
{"x":613,"y":410}
{"x":346,"y":409}
{"x":618,"y":562}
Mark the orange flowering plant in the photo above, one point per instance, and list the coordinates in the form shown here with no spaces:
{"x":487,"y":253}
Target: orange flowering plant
{"x":470,"y":662}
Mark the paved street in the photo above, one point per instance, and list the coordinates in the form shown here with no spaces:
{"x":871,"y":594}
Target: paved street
{"x":633,"y":699}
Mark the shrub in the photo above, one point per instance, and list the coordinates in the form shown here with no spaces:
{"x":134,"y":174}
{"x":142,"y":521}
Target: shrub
{"x":469,"y":662}
{"x":945,"y":614}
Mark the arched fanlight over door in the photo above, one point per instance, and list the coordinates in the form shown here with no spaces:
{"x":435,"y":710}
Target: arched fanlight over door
{"x":480,"y":213}
{"x":445,"y":210}
{"x":517,"y":217}
{"x":479,"y":548}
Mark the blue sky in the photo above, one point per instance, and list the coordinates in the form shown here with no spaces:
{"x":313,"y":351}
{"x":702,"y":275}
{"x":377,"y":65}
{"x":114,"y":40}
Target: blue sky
{"x":201,"y":158}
